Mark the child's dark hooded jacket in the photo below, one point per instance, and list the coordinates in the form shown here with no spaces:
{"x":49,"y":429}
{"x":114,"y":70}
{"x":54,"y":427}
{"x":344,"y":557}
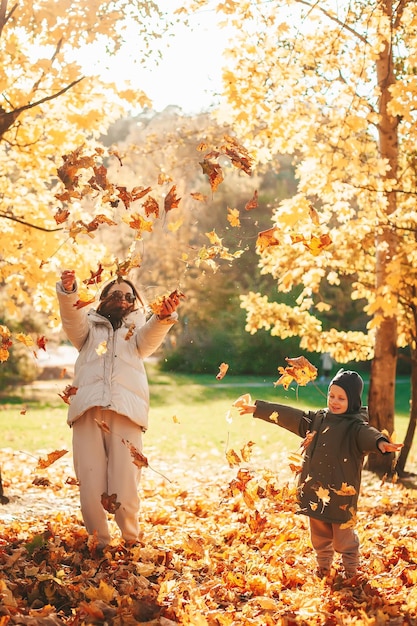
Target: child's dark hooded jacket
{"x":330,"y":479}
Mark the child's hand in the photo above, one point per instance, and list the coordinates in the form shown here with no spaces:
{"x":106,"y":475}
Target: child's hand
{"x":388,"y":446}
{"x":247,"y":409}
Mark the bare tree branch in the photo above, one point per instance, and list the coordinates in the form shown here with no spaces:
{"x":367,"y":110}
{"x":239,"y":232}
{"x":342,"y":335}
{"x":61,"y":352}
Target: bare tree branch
{"x":3,"y":17}
{"x":7,"y":216}
{"x":8,"y":118}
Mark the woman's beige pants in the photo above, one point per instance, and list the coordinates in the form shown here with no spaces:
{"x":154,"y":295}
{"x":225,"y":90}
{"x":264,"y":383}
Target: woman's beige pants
{"x":104,"y":465}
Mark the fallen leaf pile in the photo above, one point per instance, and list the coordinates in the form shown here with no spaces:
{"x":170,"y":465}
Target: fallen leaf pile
{"x":221,"y":546}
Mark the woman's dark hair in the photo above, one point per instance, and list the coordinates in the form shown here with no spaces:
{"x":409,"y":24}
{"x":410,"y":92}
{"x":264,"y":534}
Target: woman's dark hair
{"x":117,"y":281}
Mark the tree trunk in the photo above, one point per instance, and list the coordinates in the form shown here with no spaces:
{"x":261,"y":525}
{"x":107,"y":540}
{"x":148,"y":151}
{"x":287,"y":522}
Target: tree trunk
{"x":381,"y":399}
{"x":408,"y":441}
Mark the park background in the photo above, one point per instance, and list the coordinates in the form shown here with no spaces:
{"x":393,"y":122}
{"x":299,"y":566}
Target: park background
{"x":284,"y":209}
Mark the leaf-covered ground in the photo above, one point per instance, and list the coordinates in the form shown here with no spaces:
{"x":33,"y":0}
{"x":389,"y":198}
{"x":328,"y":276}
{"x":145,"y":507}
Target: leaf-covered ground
{"x":221,"y":546}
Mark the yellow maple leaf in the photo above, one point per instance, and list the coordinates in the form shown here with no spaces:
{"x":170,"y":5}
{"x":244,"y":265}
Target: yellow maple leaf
{"x":104,"y":592}
{"x":345,"y":490}
{"x":324,"y":496}
{"x":214,"y":238}
{"x":233,"y":217}
{"x":174,"y":226}
{"x":101,"y":348}
{"x":25,"y":339}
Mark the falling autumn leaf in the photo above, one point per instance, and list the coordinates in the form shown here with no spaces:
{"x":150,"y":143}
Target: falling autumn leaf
{"x":324,"y":496}
{"x":138,"y":223}
{"x":41,"y":342}
{"x":253,"y":202}
{"x":296,"y":462}
{"x":139,"y":459}
{"x":130,"y":331}
{"x":201,"y":197}
{"x":299,"y":369}
{"x":316,"y":245}
{"x":345,"y":490}
{"x":238,"y":154}
{"x":50,"y":458}
{"x":25,"y":339}
{"x":164,"y":178}
{"x":223,"y":367}
{"x":151,"y":207}
{"x":246,"y":451}
{"x":95,"y":277}
{"x":157,"y":304}
{"x":174,"y":226}
{"x":233,"y":458}
{"x":314,"y":216}
{"x":171,"y":200}
{"x":127,"y":197}
{"x":214,"y":173}
{"x":69,"y":391}
{"x":243,"y":400}
{"x":61,"y":216}
{"x":101,"y":348}
{"x":110,"y":503}
{"x":233,"y":217}
{"x":267,"y":238}
{"x":103,"y":425}
{"x":307,"y":440}
{"x":80,"y":304}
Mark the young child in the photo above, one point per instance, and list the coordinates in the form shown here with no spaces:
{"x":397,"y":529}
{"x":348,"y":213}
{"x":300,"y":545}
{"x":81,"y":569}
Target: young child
{"x":336,"y":441}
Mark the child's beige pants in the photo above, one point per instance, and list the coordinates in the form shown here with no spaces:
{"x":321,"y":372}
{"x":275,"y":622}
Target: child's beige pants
{"x":327,"y":538}
{"x":104,"y":465}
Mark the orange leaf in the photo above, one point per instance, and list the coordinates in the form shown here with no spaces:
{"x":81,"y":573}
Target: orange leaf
{"x":238,"y":155}
{"x":223,"y":367}
{"x":103,"y":425}
{"x":233,"y":217}
{"x":214,"y":173}
{"x":171,"y":200}
{"x":61,"y":216}
{"x":137,"y":222}
{"x":82,"y":303}
{"x":199,"y":196}
{"x":298,"y":369}
{"x":253,"y":202}
{"x":130,"y":331}
{"x":151,"y":207}
{"x":95,"y":277}
{"x":233,"y":458}
{"x":157,"y":304}
{"x":139,"y":459}
{"x":51,"y":458}
{"x":109,"y":503}
{"x":267,"y":238}
{"x":68,"y":392}
{"x":41,"y":343}
{"x":246,"y":451}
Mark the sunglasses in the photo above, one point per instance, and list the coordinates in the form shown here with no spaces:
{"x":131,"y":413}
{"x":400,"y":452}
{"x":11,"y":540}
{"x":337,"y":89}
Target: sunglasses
{"x":119,"y":295}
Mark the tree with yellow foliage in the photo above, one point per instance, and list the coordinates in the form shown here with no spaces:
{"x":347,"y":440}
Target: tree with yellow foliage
{"x":335,"y":86}
{"x":49,"y":107}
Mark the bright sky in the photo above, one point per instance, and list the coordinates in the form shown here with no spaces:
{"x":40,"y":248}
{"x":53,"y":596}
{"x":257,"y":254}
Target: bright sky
{"x":189,"y":74}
